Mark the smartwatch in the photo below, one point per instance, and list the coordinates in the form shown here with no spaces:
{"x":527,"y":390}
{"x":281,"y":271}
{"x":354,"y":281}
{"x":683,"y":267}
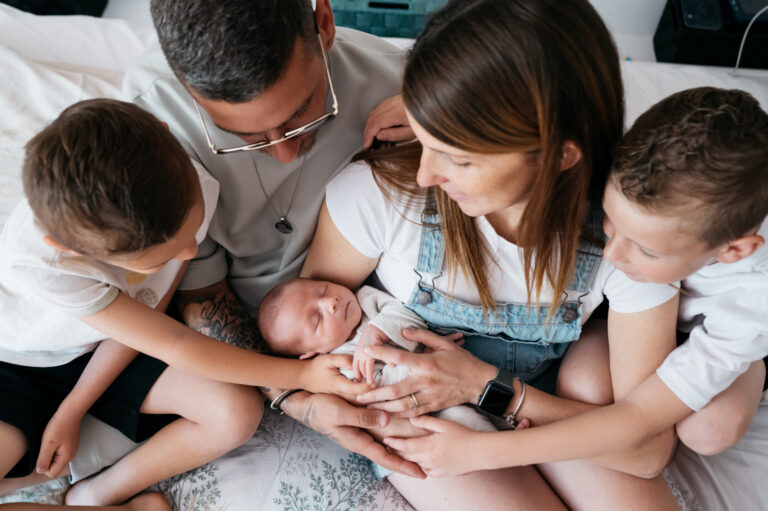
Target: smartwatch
{"x":498,"y":393}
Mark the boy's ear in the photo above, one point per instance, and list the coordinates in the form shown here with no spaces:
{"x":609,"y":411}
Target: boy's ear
{"x":305,"y":356}
{"x":571,"y":155}
{"x":740,"y":248}
{"x":48,"y":240}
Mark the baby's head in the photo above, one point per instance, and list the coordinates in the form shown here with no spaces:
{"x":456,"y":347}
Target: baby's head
{"x":304,"y":317}
{"x":109,"y":181}
{"x":688,"y":186}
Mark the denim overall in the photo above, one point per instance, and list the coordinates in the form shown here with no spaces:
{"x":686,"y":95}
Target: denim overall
{"x":515,"y":337}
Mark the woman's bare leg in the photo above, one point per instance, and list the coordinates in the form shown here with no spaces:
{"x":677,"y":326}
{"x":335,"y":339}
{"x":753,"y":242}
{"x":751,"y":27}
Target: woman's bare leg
{"x":512,"y":489}
{"x":585,"y":376}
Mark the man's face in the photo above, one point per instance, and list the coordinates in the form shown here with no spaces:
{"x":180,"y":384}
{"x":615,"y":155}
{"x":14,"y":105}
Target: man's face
{"x":296,"y":99}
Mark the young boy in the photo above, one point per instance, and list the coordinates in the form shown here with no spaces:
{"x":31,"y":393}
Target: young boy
{"x":114,"y":206}
{"x":686,"y":200}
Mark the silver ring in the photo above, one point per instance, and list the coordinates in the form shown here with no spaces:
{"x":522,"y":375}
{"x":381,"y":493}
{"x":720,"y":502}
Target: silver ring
{"x":414,"y":401}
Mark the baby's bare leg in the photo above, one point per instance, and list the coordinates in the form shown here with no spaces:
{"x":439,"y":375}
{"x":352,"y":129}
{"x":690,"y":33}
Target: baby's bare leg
{"x":725,"y":420}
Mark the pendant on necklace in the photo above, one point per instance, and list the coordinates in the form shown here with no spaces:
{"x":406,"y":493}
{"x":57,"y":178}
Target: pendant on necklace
{"x":284,"y":226}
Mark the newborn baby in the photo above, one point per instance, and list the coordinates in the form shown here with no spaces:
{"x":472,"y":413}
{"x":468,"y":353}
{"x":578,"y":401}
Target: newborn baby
{"x":304,"y":318}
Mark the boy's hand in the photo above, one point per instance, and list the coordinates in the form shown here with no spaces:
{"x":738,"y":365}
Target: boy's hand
{"x":322,"y":376}
{"x":362,"y":363}
{"x":59,"y":445}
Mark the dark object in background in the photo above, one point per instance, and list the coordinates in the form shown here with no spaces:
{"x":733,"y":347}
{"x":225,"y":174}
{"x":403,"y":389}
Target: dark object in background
{"x":709,"y":32}
{"x":387,"y":18}
{"x":89,"y":7}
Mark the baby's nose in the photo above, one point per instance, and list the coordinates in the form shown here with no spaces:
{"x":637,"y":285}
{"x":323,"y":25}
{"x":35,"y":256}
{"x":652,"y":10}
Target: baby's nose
{"x":331,"y":303}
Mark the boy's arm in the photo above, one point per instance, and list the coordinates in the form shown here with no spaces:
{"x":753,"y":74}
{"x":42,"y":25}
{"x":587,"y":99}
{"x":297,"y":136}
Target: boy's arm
{"x":61,"y":436}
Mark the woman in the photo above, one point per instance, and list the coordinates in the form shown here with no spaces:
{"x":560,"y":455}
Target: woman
{"x":517,"y":105}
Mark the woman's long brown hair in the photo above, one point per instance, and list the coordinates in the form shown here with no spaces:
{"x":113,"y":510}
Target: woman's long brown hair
{"x":502,"y":76}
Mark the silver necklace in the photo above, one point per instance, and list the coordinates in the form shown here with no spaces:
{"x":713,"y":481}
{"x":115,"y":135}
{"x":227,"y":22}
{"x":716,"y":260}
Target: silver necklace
{"x":283,"y":225}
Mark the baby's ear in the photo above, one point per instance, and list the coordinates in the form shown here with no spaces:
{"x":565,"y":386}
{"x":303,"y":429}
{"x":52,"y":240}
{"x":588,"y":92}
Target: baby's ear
{"x":305,"y":356}
{"x":740,"y":248}
{"x":48,"y":240}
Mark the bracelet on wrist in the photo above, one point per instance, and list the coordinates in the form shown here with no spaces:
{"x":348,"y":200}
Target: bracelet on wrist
{"x":275,"y":404}
{"x":510,"y":418}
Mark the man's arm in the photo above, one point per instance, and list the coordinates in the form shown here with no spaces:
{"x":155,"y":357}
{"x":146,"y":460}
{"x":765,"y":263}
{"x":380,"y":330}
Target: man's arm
{"x":216,"y":312}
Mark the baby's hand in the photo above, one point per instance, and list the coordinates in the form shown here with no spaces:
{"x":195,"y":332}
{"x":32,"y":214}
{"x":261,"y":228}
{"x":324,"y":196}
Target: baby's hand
{"x":362,"y":363}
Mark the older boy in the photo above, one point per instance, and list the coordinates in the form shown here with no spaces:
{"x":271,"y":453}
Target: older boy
{"x":114,"y":208}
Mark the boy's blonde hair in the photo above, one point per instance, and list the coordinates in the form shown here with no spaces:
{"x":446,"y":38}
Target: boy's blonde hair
{"x":701,"y":154}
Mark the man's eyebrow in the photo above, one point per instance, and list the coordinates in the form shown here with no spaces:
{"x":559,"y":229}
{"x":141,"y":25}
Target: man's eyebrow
{"x":299,"y":111}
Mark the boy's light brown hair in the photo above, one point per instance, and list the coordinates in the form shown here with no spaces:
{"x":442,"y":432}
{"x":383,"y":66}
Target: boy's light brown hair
{"x":108,"y":178}
{"x":702,"y":155}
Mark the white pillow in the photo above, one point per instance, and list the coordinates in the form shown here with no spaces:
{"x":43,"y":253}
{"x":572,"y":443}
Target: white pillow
{"x":31,"y":96}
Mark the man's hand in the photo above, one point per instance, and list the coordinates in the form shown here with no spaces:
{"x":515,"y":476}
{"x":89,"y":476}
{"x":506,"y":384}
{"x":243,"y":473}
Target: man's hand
{"x":341,"y":422}
{"x":388,"y":122}
{"x":362,"y":363}
{"x":59,"y":445}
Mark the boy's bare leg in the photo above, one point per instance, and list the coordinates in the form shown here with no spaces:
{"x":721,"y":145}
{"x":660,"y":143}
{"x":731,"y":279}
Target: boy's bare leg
{"x":13,"y":445}
{"x":145,"y":502}
{"x":216,"y":418}
{"x":726,"y":419}
{"x":585,"y":376}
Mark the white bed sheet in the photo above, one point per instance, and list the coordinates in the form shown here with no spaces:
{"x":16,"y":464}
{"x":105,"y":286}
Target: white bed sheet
{"x":51,"y":62}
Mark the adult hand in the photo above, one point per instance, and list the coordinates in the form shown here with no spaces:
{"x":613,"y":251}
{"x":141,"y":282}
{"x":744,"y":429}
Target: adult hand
{"x":449,"y":450}
{"x":448,"y":375}
{"x":59,"y":444}
{"x":323,"y":376}
{"x":341,"y":422}
{"x":388,"y":123}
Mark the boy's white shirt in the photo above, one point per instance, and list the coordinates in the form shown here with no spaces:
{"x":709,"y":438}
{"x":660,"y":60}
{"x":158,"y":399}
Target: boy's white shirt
{"x":44,"y":290}
{"x":725,"y":309}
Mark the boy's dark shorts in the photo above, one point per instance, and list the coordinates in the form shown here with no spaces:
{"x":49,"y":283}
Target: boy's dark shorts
{"x":29,"y":396}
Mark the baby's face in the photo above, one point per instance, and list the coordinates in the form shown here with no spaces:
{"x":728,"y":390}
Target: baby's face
{"x":321,"y":314}
{"x":649,"y":247}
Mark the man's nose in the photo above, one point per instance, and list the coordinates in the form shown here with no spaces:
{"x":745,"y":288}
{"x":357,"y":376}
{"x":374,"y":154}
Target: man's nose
{"x":284,"y":151}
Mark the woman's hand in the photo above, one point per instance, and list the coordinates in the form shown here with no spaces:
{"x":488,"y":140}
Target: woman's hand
{"x":388,"y":123}
{"x":446,"y":376}
{"x":449,"y":450}
{"x":322,"y":376}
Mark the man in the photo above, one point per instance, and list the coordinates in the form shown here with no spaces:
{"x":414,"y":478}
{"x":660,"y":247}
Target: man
{"x":272,"y":100}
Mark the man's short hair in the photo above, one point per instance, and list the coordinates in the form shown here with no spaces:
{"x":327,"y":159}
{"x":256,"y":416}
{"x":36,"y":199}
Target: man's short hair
{"x":701,"y":154}
{"x":108,"y":178}
{"x":231,"y":50}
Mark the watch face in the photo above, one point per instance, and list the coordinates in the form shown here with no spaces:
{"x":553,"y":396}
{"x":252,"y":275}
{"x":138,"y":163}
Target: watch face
{"x":496,"y":398}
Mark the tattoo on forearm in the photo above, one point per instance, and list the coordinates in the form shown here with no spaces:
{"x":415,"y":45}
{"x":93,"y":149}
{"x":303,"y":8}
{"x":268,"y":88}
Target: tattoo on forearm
{"x":222,"y":317}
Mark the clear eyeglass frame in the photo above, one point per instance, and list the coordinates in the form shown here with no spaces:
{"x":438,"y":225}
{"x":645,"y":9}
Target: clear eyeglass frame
{"x":297,"y":132}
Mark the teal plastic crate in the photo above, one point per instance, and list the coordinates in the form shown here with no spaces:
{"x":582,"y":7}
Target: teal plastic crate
{"x":392,"y":18}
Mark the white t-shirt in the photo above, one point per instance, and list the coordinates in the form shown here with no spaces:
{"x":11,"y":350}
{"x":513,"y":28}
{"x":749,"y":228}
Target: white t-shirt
{"x":726,"y":313}
{"x":44,"y":290}
{"x":380,"y":228}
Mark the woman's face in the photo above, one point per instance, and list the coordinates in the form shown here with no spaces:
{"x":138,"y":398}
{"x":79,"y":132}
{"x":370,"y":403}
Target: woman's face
{"x":480,"y":184}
